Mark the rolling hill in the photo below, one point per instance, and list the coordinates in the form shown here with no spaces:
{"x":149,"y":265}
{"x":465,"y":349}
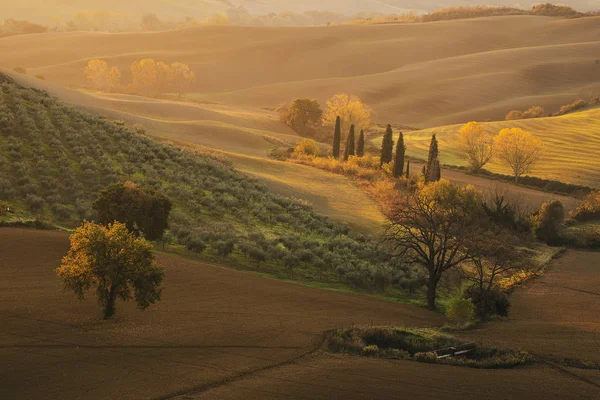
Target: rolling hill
{"x":571,"y":145}
{"x":421,"y":74}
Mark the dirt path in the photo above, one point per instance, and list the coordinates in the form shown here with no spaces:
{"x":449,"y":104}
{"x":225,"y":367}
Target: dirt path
{"x":213,"y":323}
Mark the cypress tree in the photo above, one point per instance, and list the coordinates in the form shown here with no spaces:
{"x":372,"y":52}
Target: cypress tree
{"x":431,"y":160}
{"x":436,"y":172}
{"x":387,"y":146}
{"x":360,"y":147}
{"x":407,"y":169}
{"x":349,"y":144}
{"x":337,"y":137}
{"x":399,"y":159}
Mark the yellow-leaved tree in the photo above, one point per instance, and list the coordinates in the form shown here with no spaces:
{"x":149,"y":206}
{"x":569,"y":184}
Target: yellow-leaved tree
{"x":114,"y":262}
{"x":102,"y":77}
{"x":164,"y":77}
{"x":518,"y":149}
{"x":144,"y":75}
{"x":475,"y":145}
{"x":183,"y":77}
{"x":350,"y":109}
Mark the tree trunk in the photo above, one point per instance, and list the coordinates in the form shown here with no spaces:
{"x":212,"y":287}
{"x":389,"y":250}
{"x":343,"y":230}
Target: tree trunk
{"x":431,"y":292}
{"x":110,"y":307}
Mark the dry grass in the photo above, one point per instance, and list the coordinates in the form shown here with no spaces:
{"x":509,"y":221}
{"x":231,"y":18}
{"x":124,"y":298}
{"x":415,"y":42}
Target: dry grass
{"x":571,"y":144}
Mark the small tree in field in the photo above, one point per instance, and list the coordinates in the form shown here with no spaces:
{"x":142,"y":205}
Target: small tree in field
{"x":518,"y":149}
{"x":399,"y":158}
{"x":303,"y":115}
{"x":360,"y":145}
{"x":387,"y":146}
{"x":350,"y":109}
{"x":475,"y":145}
{"x":114,"y":262}
{"x":434,"y":228}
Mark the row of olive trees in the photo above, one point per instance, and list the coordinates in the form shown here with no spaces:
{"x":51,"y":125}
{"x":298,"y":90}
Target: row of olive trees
{"x":516,"y":148}
{"x":147,"y":76}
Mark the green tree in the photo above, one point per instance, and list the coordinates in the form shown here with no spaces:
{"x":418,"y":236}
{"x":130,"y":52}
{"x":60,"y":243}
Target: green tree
{"x":549,"y":222}
{"x":360,"y":146}
{"x":349,"y":151}
{"x":144,"y":212}
{"x":303,"y":115}
{"x":387,"y":146}
{"x":435,"y":228}
{"x":337,"y":137}
{"x":114,"y":262}
{"x":399,"y":159}
{"x":432,"y":171}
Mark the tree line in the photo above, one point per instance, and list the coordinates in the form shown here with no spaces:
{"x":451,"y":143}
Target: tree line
{"x":147,"y":76}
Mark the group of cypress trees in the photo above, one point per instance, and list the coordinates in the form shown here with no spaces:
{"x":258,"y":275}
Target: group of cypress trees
{"x":431,"y":170}
{"x":353,"y":147}
{"x":387,"y":153}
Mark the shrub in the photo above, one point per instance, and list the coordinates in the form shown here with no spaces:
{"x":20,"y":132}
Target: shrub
{"x":224,"y":247}
{"x":371,"y":350}
{"x":196,"y":244}
{"x":486,"y":303}
{"x":41,"y":77}
{"x":532,"y":112}
{"x":549,"y":222}
{"x":4,"y":208}
{"x":589,"y":209}
{"x":307,"y":147}
{"x":551,"y":10}
{"x":514,"y":115}
{"x":460,"y":311}
{"x":576,"y":105}
{"x":20,"y":70}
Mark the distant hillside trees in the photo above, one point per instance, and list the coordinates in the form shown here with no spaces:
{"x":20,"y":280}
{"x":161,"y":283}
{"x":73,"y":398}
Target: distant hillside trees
{"x":102,"y":77}
{"x":350,"y":109}
{"x":387,"y":146}
{"x":475,"y":146}
{"x":115,"y":263}
{"x":399,"y":157}
{"x":360,"y":145}
{"x":147,"y":76}
{"x":518,"y":149}
{"x":432,"y":170}
{"x":532,"y":112}
{"x":11,"y":27}
{"x":144,"y":212}
{"x":303,"y":115}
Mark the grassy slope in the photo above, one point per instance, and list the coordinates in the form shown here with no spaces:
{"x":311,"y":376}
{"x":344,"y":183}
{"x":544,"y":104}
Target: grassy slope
{"x":414,"y":74}
{"x":245,"y":135}
{"x":572,"y":145}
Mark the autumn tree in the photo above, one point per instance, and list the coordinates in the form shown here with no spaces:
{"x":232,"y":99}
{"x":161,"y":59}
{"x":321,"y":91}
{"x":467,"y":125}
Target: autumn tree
{"x":432,"y":170}
{"x":350,"y":109}
{"x":164,"y":77}
{"x":144,"y":75}
{"x":114,"y":262}
{"x":387,"y":146}
{"x":183,"y":77}
{"x":144,"y":211}
{"x":399,"y":158}
{"x":302,"y":116}
{"x":337,"y":138}
{"x":360,"y":146}
{"x":349,"y":151}
{"x":517,"y":149}
{"x":434,"y":227}
{"x":475,"y":145}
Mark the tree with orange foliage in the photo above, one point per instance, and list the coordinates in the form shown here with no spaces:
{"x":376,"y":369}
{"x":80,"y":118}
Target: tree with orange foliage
{"x":102,"y":77}
{"x":114,"y":262}
{"x":518,"y":149}
{"x":183,"y":77}
{"x":164,"y":77}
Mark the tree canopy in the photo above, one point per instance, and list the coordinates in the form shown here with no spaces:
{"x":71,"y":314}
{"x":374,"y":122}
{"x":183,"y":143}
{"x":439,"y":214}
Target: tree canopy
{"x":518,"y":149}
{"x":303,"y":115}
{"x":144,"y":211}
{"x":475,"y":145}
{"x":350,"y":109}
{"x":114,"y":262}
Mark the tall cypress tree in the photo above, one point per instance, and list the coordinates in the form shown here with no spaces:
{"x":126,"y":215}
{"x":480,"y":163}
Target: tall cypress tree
{"x":407,"y":169}
{"x":349,"y":151}
{"x":337,"y":137}
{"x":399,"y":159}
{"x":431,"y":160}
{"x":360,"y":147}
{"x":387,"y":146}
